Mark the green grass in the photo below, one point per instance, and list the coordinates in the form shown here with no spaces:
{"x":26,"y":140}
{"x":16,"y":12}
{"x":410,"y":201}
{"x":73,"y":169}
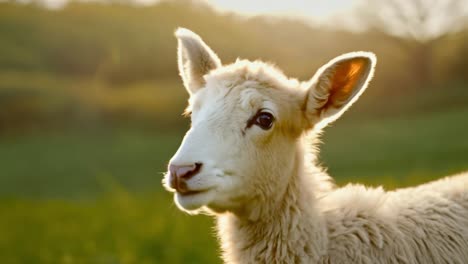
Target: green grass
{"x":117,"y":228}
{"x":397,"y":152}
{"x":77,"y":163}
{"x":95,"y":196}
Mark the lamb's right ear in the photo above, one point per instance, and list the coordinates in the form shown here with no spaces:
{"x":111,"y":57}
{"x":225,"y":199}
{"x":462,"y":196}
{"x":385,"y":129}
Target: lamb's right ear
{"x":336,"y":86}
{"x":195,"y":59}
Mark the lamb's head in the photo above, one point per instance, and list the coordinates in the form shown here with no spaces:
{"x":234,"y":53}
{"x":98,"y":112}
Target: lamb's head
{"x":247,"y":122}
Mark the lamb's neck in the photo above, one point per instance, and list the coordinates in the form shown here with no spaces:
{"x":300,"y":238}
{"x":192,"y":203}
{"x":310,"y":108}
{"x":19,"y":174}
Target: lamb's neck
{"x":288,"y":230}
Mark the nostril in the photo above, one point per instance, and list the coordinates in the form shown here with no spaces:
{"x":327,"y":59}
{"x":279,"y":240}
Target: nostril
{"x":192,"y":172}
{"x":185,"y":172}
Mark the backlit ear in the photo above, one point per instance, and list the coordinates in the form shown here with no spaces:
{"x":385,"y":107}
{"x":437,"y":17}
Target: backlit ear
{"x":195,"y":59}
{"x":337,"y":85}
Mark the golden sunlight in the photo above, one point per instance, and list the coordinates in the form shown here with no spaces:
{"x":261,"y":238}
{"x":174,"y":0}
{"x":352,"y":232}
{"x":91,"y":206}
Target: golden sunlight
{"x":316,"y":10}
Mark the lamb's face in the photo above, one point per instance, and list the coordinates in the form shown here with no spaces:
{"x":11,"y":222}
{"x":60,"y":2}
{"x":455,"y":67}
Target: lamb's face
{"x":240,"y":136}
{"x":246,"y":121}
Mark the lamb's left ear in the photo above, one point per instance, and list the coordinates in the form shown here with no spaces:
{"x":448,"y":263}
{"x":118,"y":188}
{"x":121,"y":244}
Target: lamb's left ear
{"x":337,"y":85}
{"x":195,"y":59}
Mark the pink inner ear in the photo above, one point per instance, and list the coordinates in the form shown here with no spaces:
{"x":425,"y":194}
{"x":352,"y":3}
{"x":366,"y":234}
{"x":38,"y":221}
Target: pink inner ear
{"x":344,"y":81}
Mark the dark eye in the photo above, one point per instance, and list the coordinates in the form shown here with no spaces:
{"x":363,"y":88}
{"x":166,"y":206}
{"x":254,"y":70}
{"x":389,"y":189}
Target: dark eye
{"x":264,"y":120}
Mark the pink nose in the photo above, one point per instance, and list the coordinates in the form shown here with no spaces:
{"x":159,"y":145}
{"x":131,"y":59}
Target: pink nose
{"x":181,"y":173}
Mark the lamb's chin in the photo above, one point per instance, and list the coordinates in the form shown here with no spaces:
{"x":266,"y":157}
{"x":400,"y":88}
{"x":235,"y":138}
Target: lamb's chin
{"x":191,"y":203}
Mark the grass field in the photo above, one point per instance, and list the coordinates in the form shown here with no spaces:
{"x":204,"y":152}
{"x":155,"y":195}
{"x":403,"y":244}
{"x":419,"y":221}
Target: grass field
{"x":94,"y":196}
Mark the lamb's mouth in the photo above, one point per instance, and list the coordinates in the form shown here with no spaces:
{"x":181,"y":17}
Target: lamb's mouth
{"x":191,"y":193}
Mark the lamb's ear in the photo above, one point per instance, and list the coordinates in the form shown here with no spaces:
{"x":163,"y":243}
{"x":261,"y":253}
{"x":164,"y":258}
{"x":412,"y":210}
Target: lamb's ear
{"x":337,"y":85}
{"x":195,"y":59}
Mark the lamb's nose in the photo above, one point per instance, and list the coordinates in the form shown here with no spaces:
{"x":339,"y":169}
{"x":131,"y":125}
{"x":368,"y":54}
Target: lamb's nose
{"x":180,"y":174}
{"x":184,"y":172}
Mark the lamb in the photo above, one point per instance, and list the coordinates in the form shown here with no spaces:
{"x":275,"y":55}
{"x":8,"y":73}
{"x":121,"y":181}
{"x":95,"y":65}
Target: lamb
{"x":249,"y":159}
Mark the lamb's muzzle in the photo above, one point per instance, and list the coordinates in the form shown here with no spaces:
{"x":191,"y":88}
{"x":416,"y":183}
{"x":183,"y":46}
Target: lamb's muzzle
{"x":179,"y":174}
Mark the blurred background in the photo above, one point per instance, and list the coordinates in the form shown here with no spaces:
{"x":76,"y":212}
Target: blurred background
{"x":91,"y":103}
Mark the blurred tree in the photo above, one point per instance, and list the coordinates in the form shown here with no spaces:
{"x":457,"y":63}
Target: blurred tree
{"x":417,"y":24}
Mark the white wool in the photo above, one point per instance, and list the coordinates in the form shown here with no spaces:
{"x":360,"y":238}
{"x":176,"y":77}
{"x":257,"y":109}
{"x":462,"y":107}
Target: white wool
{"x":273,"y":203}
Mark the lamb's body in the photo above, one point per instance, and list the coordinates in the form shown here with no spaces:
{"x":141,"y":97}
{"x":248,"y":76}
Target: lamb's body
{"x":425,"y":224}
{"x":354,"y":224}
{"x":244,"y":160}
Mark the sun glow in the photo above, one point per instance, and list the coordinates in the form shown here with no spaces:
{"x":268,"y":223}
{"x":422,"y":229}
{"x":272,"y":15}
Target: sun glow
{"x":316,"y":10}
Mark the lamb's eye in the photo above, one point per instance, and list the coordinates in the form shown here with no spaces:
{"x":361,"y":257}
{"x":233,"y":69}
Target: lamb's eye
{"x":264,"y":120}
